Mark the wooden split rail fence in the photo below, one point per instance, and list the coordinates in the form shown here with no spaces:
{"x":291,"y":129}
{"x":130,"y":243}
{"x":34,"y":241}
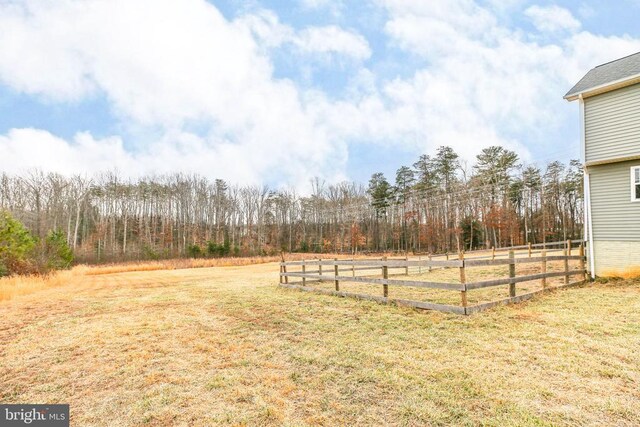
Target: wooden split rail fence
{"x":333,"y":271}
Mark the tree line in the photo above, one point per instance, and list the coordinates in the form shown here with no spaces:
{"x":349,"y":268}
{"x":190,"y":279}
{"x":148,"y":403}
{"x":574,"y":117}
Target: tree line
{"x":438,"y":204}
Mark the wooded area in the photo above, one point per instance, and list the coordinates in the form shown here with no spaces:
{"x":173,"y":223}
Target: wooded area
{"x":439,"y":204}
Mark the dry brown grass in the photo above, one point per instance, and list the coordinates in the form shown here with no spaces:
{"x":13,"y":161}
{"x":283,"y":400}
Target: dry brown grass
{"x":175,"y":264}
{"x":226,"y":346}
{"x":11,"y":287}
{"x":182,"y":263}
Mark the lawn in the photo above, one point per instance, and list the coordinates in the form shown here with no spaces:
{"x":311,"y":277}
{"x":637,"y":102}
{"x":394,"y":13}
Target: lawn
{"x":227,"y":346}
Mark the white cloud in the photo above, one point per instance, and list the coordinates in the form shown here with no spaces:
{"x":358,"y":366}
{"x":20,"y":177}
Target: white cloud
{"x":502,"y":6}
{"x":329,"y":39}
{"x":169,"y":64}
{"x":176,"y":66}
{"x":26,"y":149}
{"x":315,"y":4}
{"x":430,"y":27}
{"x":267,"y":28}
{"x":333,"y":6}
{"x":484,"y":83}
{"x":552,"y":18}
{"x":332,"y":39}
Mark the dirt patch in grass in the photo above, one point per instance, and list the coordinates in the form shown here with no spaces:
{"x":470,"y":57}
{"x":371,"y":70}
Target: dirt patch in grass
{"x":226,"y":346}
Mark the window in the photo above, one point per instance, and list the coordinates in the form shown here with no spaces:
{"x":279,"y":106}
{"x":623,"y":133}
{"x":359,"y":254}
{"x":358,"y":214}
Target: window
{"x":635,"y":184}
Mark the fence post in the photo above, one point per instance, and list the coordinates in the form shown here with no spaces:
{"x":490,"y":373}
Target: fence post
{"x":584,"y":271}
{"x":419,"y":266}
{"x":430,"y":259}
{"x":304,"y":272}
{"x":543,"y":267}
{"x":385,"y":275}
{"x":529,"y":249}
{"x":335,"y":272}
{"x":569,"y":247}
{"x":320,"y":268}
{"x":353,"y":267}
{"x":281,"y":278}
{"x":463,"y":280}
{"x":284,"y":269}
{"x":566,"y":268}
{"x":447,"y":254}
{"x":512,"y":274}
{"x":406,"y":269}
{"x":493,"y":252}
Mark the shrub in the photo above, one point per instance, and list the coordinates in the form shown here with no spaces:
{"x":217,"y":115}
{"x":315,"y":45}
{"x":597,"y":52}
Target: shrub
{"x":212,"y":249}
{"x":226,"y":248}
{"x":194,"y":251}
{"x":58,"y":254}
{"x":215,"y":250}
{"x":150,"y":253}
{"x":21,"y":253}
{"x":16,"y":246}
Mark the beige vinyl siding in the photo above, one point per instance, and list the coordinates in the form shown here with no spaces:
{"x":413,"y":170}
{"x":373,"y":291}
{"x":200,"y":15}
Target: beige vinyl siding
{"x":612,"y":124}
{"x":615,"y":216}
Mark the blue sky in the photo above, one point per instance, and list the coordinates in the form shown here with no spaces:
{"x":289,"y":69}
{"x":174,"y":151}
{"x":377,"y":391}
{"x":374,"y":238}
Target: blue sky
{"x":278,"y":92}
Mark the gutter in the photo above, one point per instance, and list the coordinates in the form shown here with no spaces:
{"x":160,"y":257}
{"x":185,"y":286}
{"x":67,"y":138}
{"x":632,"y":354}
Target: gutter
{"x":606,"y":87}
{"x":587,"y":202}
{"x":611,"y":161}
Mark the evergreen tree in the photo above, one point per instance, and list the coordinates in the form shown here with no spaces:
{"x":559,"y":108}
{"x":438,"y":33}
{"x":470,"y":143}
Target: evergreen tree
{"x":495,"y":165}
{"x":445,"y":166}
{"x":58,"y":255}
{"x":16,"y":246}
{"x":426,"y":178}
{"x":380,"y":192}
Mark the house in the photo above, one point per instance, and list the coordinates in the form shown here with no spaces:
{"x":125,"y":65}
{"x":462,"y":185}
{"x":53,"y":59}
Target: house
{"x":609,"y":98}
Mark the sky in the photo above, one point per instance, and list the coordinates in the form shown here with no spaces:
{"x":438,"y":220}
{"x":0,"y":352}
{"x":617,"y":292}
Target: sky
{"x":278,"y":92}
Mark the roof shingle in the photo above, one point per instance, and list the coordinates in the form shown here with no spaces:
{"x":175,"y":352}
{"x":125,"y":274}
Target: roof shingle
{"x":607,"y":73}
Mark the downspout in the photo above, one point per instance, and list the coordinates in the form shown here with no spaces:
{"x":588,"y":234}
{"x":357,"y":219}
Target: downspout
{"x":588,"y":221}
{"x":587,"y":185}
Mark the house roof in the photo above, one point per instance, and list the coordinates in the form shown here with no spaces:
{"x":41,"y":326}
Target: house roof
{"x":606,"y":77}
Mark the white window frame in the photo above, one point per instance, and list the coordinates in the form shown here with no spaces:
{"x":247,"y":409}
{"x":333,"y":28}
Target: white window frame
{"x":634,"y":183}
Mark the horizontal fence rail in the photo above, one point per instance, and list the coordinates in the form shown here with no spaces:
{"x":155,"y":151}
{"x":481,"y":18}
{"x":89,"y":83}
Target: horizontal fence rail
{"x":379,"y":264}
{"x":332,"y":270}
{"x":528,"y":248}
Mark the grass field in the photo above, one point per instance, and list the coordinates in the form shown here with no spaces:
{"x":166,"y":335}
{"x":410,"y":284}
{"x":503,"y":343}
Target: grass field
{"x":226,"y":346}
{"x":13,"y":286}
